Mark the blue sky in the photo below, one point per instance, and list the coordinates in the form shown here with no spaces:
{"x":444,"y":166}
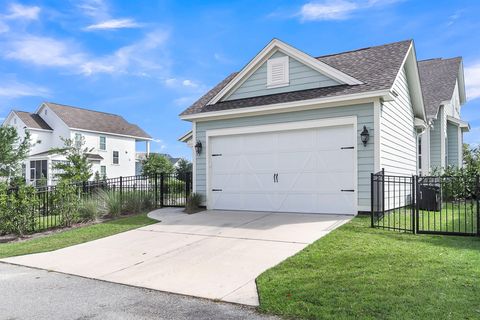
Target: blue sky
{"x":149,"y":60}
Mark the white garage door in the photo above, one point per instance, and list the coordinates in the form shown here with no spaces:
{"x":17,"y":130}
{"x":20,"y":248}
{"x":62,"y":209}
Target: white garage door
{"x":307,"y":170}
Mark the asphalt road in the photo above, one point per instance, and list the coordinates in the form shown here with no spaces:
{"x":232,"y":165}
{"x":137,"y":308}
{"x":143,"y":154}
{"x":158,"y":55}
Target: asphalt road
{"x":27,"y":293}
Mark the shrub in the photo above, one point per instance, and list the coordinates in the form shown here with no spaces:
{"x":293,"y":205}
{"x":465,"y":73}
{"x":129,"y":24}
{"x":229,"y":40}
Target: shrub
{"x":193,"y":203}
{"x":133,"y":202}
{"x":174,"y":186}
{"x":148,"y":201}
{"x":110,"y":203}
{"x":66,"y":202}
{"x":17,"y":209}
{"x":88,"y":210}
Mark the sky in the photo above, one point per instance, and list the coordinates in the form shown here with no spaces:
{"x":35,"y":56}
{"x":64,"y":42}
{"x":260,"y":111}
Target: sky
{"x":149,"y":60}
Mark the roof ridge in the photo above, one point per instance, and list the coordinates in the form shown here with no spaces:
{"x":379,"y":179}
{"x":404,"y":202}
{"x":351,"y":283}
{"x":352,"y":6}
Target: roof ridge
{"x":441,"y":59}
{"x":85,"y":109}
{"x":361,"y":49}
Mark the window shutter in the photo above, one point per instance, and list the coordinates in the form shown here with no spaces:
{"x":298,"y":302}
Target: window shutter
{"x":277,"y":72}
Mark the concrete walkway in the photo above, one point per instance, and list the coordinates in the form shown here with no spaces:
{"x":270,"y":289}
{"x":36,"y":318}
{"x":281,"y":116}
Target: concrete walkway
{"x":212,"y":254}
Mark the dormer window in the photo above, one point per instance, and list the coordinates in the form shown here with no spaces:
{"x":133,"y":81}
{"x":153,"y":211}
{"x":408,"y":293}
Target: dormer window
{"x":46,"y":111}
{"x":277,"y":72}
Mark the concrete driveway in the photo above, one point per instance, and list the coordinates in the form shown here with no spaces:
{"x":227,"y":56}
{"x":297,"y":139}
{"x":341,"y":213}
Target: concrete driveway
{"x":212,"y":254}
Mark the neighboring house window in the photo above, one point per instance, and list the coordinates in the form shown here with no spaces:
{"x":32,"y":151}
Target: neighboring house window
{"x":115,"y":157}
{"x":14,"y":120}
{"x":103,"y":172}
{"x":103,"y":143}
{"x":78,"y":140}
{"x":38,"y":170}
{"x":420,"y":155}
{"x":277,"y":72}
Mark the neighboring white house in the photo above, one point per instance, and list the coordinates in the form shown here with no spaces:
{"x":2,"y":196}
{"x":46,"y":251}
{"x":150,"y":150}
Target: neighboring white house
{"x":111,"y":137}
{"x":295,"y":133}
{"x":142,"y":156}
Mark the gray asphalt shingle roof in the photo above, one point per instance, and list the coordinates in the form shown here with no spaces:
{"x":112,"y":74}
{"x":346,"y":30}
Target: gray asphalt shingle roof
{"x":32,"y":120}
{"x":96,"y":121}
{"x":438,"y":78}
{"x":376,"y":67}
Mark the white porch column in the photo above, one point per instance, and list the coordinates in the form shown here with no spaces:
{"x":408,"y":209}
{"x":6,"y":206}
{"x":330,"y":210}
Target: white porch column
{"x":147,"y":147}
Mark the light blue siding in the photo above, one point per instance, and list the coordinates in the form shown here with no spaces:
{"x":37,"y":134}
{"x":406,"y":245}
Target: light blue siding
{"x":452,"y":140}
{"x":435,"y":145}
{"x":364,"y":113}
{"x":301,"y":77}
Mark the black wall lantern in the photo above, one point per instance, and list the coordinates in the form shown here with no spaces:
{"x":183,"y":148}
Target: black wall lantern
{"x":198,"y":147}
{"x":365,"y":136}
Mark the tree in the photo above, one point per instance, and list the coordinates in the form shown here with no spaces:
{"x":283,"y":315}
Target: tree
{"x":183,"y":168}
{"x":77,"y":167}
{"x":13,"y":150}
{"x":156,"y":163}
{"x":471,"y":159}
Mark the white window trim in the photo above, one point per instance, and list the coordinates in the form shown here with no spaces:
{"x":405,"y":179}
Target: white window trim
{"x":100,"y":143}
{"x":284,"y":61}
{"x":113,"y":157}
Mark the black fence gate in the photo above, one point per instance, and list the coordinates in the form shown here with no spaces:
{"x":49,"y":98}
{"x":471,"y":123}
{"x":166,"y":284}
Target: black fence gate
{"x":447,"y":205}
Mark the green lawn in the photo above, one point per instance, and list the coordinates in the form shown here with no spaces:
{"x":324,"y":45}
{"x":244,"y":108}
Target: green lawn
{"x":357,"y":272}
{"x":453,"y":217}
{"x":74,"y":236}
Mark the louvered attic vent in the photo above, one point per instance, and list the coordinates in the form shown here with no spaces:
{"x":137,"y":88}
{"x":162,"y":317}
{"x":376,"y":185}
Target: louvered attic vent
{"x":277,"y":72}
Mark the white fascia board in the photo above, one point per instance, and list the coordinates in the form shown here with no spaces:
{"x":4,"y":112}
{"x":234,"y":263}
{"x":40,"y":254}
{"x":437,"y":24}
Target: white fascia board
{"x":269,"y":50}
{"x":461,"y":84}
{"x":291,"y":106}
{"x":187,"y":136}
{"x":465,"y":126}
{"x":113,"y":134}
{"x":7,"y":119}
{"x":411,"y":66}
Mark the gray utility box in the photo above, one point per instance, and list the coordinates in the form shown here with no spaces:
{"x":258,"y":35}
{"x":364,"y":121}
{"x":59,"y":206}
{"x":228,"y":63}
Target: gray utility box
{"x":430,"y":198}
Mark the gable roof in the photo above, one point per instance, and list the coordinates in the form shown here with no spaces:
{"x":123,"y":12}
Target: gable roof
{"x":375,"y":67}
{"x":32,"y":120}
{"x":438,"y":77}
{"x":84,"y":119}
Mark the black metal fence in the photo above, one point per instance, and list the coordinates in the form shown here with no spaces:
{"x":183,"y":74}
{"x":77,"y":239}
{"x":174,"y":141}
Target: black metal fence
{"x":447,"y":205}
{"x":157,"y":191}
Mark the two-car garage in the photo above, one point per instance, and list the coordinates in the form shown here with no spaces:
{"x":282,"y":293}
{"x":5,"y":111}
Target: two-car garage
{"x":306,"y":166}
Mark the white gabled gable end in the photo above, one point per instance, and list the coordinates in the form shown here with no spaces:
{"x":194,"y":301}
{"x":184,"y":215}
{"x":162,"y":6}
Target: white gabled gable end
{"x":278,"y":69}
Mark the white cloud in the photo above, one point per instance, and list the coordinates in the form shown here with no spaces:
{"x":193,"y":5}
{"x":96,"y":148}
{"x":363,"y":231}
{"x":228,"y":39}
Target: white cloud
{"x":161,"y":144}
{"x":113,"y":24}
{"x":327,"y":10}
{"x":14,"y":89}
{"x":189,"y":83}
{"x":43,"y":51}
{"x":96,"y":9}
{"x":3,"y":27}
{"x":19,"y":11}
{"x":135,"y":56}
{"x":136,"y":59}
{"x":337,"y":9}
{"x":472,"y":81}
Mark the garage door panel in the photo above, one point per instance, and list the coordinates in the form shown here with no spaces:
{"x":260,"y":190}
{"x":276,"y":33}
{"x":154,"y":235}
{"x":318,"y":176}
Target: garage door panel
{"x":332,"y":137}
{"x":335,"y":161}
{"x":301,"y":139}
{"x":222,"y":144}
{"x":296,"y":202}
{"x":296,"y":161}
{"x":261,"y":142}
{"x":310,"y":166}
